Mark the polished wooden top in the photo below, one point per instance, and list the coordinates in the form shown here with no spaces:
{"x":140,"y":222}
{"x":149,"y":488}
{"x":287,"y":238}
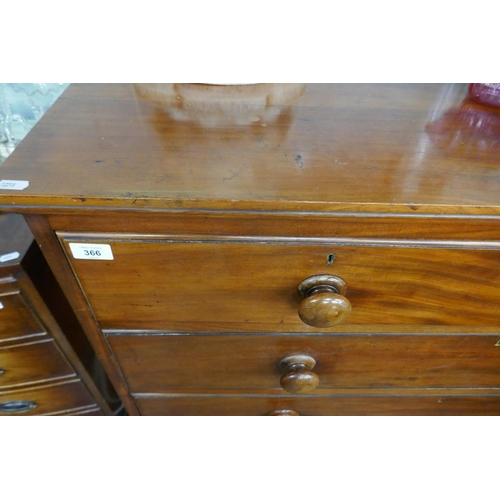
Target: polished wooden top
{"x":395,"y":148}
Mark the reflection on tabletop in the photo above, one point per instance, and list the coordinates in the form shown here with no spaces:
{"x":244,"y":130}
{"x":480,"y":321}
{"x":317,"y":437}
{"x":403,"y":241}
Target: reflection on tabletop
{"x":213,"y":106}
{"x":471,"y":129}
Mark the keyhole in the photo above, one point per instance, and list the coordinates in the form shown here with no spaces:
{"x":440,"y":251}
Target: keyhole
{"x":330,"y":258}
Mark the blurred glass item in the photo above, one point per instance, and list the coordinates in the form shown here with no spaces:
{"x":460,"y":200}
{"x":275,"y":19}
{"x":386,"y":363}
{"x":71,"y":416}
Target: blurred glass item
{"x":21,"y":106}
{"x":487,"y":94}
{"x":222,"y":105}
{"x":469,"y":131}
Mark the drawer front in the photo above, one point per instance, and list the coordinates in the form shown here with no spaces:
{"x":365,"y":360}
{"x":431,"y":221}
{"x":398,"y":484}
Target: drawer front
{"x":247,"y":364}
{"x":45,"y":400}
{"x":32,"y":363}
{"x":16,"y":319}
{"x":322,"y":406}
{"x":229,"y":285}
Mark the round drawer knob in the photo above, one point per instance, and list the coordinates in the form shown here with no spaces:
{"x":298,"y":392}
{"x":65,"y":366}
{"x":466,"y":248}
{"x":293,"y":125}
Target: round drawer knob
{"x":283,"y":413}
{"x":299,"y":378}
{"x":324,"y":304}
{"x":17,"y":406}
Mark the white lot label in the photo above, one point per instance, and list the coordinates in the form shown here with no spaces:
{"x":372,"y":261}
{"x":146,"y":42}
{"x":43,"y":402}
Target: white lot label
{"x":16,"y":185}
{"x":9,"y":256}
{"x":91,"y":251}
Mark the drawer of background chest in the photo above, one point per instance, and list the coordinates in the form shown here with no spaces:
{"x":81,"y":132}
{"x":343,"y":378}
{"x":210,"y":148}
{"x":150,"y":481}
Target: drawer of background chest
{"x":247,"y":364}
{"x":322,"y":406}
{"x":16,"y":318}
{"x":45,"y":400}
{"x":223,"y":284}
{"x":32,"y":362}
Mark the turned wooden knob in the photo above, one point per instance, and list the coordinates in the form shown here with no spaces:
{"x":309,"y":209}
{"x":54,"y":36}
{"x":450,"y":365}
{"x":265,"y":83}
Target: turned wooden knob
{"x":324,"y":304}
{"x":299,"y":378}
{"x":283,"y":413}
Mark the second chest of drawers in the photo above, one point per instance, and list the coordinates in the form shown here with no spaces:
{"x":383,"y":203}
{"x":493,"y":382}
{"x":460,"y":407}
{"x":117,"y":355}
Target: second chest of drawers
{"x":40,"y":372}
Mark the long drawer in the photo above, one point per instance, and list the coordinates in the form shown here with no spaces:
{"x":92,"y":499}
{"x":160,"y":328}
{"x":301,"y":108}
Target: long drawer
{"x":32,"y":362}
{"x":224,"y":284}
{"x":244,"y":363}
{"x":45,"y":400}
{"x":322,"y":406}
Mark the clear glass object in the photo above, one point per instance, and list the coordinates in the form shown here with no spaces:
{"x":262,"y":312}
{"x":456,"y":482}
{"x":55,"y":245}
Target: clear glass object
{"x":21,"y":106}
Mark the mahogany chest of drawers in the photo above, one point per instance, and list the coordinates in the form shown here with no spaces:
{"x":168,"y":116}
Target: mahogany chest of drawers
{"x":40,"y":372}
{"x":275,"y":249}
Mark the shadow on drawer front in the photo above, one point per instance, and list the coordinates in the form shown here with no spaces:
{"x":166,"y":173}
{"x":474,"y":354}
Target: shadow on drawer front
{"x":223,"y":284}
{"x":247,"y":364}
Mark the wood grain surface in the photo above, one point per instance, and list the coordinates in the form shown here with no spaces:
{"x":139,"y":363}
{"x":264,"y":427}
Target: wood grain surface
{"x":229,"y":285}
{"x":250,"y":363}
{"x":335,"y":147}
{"x":217,"y":202}
{"x":445,"y":405}
{"x":49,"y":399}
{"x":16,"y":319}
{"x":34,"y":362}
